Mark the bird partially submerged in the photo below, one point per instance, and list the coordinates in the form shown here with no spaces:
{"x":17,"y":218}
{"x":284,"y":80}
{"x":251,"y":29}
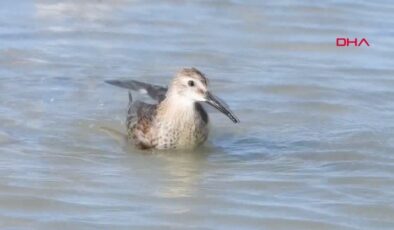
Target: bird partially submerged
{"x":178,"y":120}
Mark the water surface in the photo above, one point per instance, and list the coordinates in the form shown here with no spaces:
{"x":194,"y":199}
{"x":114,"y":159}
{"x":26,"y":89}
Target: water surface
{"x":314,"y":149}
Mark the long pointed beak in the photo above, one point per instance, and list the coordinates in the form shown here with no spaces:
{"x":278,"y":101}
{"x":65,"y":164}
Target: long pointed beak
{"x":213,"y":101}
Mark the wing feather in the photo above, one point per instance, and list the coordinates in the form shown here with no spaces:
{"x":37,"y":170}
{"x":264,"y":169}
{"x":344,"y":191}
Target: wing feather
{"x":156,"y":92}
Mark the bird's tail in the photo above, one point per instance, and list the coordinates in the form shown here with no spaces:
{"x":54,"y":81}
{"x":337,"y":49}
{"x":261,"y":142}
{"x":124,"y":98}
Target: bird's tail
{"x":130,"y":99}
{"x":130,"y":112}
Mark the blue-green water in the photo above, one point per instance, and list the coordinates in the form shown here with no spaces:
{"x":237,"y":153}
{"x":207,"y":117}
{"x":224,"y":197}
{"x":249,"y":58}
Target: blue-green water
{"x":314,"y":149}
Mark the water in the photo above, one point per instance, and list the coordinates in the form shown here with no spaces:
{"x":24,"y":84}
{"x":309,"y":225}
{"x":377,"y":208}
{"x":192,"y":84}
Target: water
{"x":313,"y":149}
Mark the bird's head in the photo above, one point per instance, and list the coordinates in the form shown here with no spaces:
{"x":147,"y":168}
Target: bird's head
{"x":190,"y":85}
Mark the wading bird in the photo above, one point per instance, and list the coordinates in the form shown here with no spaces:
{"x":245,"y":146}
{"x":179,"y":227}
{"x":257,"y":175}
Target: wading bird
{"x":178,"y":120}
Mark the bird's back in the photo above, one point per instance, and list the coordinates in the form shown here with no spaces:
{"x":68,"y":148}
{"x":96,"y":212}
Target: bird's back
{"x":140,"y":119}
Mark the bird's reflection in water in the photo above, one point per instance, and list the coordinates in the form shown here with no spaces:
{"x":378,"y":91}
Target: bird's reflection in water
{"x":184,"y":172}
{"x":181,"y":171}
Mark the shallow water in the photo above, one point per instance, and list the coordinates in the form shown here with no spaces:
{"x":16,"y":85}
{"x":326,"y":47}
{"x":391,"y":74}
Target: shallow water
{"x":313,"y":149}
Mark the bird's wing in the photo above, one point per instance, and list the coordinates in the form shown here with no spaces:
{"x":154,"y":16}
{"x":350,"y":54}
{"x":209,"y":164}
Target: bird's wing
{"x":140,"y":117}
{"x":156,"y":92}
{"x":139,"y":110}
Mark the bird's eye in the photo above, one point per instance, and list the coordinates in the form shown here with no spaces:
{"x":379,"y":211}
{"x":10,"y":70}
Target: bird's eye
{"x":190,"y":83}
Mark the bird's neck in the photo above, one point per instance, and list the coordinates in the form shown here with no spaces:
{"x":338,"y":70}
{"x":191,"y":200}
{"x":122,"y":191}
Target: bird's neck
{"x":182,"y":119}
{"x":178,"y":109}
